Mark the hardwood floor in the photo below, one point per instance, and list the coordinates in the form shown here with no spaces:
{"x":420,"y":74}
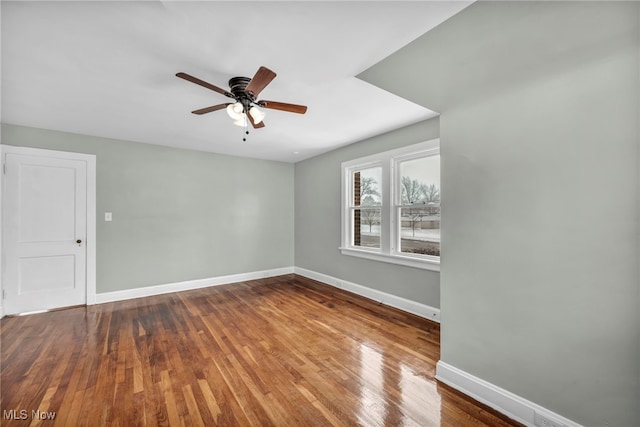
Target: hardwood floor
{"x":284,"y":351}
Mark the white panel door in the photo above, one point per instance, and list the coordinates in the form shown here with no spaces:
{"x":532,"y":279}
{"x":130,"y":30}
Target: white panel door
{"x":44,"y":232}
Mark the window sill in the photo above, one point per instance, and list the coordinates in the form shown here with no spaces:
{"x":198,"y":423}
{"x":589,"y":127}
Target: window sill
{"x":425,"y":264}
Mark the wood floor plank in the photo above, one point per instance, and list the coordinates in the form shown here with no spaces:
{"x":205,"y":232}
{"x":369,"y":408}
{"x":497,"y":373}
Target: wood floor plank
{"x":280,"y":351}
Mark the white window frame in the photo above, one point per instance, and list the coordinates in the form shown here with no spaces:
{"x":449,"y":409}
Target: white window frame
{"x":389,"y":250}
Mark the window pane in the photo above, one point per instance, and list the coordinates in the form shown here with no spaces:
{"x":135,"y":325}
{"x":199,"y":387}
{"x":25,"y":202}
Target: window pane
{"x":366,"y":227}
{"x":420,"y":230}
{"x":420,"y":181}
{"x":420,"y":223}
{"x":366,"y":187}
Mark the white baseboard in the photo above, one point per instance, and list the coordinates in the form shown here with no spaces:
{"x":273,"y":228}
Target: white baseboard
{"x":188,"y":285}
{"x":512,"y":405}
{"x":403,"y":304}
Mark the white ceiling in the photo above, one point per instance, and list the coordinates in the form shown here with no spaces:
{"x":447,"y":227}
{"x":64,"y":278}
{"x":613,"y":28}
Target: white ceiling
{"x":108,"y":69}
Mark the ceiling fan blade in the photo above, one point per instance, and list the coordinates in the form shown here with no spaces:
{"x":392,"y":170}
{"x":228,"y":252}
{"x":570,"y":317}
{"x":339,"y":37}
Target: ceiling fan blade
{"x":262,"y":78}
{"x":254,"y":124}
{"x":204,"y":84}
{"x":210,"y":109}
{"x":283,"y":106}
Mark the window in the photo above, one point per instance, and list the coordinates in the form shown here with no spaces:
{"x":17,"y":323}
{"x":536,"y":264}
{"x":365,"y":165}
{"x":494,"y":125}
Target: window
{"x":391,"y":206}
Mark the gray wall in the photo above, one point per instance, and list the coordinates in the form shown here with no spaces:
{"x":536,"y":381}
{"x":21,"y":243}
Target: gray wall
{"x":179,"y":215}
{"x":318,"y":219}
{"x":540,"y":154}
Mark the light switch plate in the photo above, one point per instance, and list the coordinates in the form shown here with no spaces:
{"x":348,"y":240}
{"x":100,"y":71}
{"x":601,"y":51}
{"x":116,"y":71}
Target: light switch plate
{"x":108,"y":216}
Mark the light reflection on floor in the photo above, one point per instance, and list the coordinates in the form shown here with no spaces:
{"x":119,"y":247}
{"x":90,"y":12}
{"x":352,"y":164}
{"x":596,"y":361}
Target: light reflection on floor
{"x":373,"y":407}
{"x":400,"y":398}
{"x":420,"y":396}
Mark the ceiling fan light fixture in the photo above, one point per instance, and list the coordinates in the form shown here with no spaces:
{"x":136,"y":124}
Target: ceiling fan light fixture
{"x":241,"y":121}
{"x":256,"y":114}
{"x":235,"y":111}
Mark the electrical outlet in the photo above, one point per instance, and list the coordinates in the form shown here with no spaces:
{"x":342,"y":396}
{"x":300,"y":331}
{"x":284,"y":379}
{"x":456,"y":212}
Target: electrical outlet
{"x":542,"y":420}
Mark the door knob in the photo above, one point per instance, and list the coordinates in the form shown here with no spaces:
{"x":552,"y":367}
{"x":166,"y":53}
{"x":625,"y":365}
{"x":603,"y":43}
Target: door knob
{"x":78,"y":241}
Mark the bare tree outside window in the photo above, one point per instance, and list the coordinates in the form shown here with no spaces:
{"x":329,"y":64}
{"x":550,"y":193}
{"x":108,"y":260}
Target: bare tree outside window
{"x":413,"y":193}
{"x":369,"y":190}
{"x":370,"y":217}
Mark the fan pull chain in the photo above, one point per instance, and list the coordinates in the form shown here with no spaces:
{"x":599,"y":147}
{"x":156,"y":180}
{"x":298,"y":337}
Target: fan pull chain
{"x":246,"y":130}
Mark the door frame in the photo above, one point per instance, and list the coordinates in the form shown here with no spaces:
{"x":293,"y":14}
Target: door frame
{"x":90,"y":160}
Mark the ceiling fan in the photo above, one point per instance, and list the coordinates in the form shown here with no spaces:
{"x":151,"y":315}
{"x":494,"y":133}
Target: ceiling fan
{"x":245,"y":92}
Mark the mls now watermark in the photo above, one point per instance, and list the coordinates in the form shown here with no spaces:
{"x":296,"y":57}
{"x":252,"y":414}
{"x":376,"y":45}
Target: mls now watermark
{"x":23,"y":414}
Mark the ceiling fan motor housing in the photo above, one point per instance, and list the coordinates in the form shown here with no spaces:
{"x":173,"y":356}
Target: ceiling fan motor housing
{"x":237,"y":86}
